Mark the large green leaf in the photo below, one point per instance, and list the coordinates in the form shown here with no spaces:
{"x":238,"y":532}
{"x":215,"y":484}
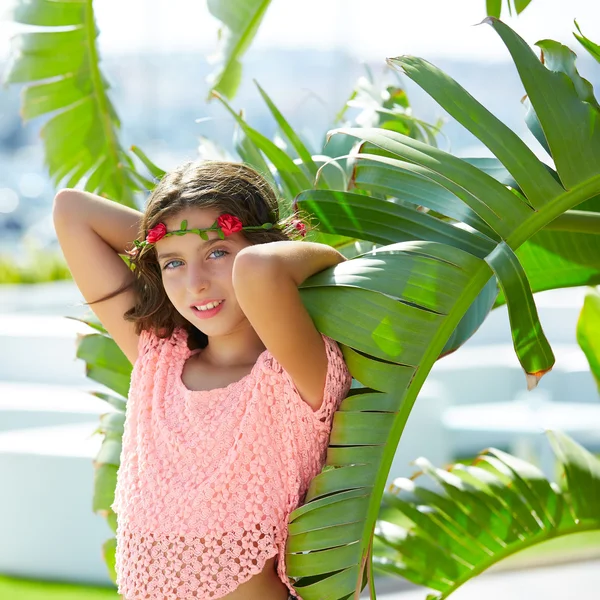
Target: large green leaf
{"x":487,"y":197}
{"x":530,"y":174}
{"x":558,"y":259}
{"x":62,"y":68}
{"x":591,"y":47}
{"x":383,"y":222}
{"x":478,"y":515}
{"x":385,"y":175}
{"x":381,"y":307}
{"x":569,"y":123}
{"x":588,"y":332}
{"x":241,"y":20}
{"x":391,"y":300}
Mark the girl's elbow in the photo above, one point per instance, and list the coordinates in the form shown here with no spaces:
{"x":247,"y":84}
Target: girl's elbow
{"x":251,"y":267}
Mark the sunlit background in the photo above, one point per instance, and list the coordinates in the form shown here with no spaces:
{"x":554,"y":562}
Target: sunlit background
{"x":307,"y":56}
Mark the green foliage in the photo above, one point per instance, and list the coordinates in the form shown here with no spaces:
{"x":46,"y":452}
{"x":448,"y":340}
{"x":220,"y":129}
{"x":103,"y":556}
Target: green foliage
{"x":61,"y":65}
{"x":241,"y":20}
{"x":446,"y":229}
{"x":494,"y":7}
{"x":591,"y":47}
{"x":14,"y":588}
{"x":588,"y":332}
{"x":480,"y":514}
{"x":39,"y":267}
{"x":393,"y":310}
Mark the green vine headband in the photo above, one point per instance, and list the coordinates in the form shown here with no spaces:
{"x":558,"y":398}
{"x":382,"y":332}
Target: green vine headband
{"x":225,"y":225}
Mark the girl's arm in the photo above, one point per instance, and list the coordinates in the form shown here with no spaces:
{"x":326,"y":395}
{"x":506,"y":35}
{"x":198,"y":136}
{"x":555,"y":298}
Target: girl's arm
{"x":298,"y":260}
{"x":266,"y":279}
{"x":116,"y":224}
{"x":92,"y":231}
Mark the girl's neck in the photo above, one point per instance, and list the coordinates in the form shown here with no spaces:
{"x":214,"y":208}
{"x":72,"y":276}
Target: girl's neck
{"x":236,"y":349}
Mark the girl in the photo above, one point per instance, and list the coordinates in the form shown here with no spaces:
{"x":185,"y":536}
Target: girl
{"x":232,"y":390}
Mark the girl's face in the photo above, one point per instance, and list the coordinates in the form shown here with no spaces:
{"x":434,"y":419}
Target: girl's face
{"x":197,"y":272}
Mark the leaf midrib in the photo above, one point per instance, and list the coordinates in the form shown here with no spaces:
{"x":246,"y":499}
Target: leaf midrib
{"x":99,"y":94}
{"x":472,"y":289}
{"x":515,"y":547}
{"x":557,"y":207}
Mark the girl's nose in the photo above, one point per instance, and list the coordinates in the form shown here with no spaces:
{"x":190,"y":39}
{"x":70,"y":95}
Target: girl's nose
{"x":197,"y":279}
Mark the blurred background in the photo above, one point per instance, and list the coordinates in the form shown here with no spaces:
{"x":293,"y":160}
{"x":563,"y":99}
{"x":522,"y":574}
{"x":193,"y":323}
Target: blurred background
{"x":156,"y":55}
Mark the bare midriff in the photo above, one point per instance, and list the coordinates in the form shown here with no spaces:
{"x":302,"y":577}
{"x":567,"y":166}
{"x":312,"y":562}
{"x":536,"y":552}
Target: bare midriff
{"x":265,"y":585}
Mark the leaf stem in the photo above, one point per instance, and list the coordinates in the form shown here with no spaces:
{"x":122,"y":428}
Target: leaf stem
{"x":554,"y":209}
{"x":514,"y":549}
{"x":577,"y":221}
{"x":99,"y":94}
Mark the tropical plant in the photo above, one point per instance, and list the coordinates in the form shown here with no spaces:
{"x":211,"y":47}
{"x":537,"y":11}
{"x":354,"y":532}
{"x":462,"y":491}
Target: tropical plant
{"x":479,"y":514}
{"x":81,"y":138}
{"x":544,"y":249}
{"x":413,"y":319}
{"x":241,"y":19}
{"x":588,"y":331}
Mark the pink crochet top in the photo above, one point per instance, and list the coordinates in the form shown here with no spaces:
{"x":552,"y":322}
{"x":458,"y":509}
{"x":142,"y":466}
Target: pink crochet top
{"x":208,"y":479}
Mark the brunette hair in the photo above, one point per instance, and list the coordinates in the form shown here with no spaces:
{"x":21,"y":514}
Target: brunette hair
{"x":232,"y":188}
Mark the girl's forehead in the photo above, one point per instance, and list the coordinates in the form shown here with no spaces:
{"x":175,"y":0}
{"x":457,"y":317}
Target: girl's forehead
{"x":197,"y":218}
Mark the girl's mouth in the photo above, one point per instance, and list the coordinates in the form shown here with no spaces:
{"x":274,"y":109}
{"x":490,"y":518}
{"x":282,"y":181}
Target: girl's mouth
{"x":208,"y":313}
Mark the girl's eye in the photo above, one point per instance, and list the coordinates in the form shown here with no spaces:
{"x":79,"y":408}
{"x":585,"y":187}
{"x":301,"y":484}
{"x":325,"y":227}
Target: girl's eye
{"x":222,"y":253}
{"x":166,"y":265}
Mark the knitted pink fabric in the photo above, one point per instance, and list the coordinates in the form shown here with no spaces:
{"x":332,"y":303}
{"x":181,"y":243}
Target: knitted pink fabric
{"x":208,"y":478}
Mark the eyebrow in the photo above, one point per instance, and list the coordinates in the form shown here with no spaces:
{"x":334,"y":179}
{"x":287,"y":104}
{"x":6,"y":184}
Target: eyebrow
{"x":205,"y":244}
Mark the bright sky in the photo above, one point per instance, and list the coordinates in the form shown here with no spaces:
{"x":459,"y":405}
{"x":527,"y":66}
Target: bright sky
{"x":367,"y":29}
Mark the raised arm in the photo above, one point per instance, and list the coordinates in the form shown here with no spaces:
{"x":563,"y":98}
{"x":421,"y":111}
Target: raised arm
{"x":266,"y":279}
{"x":92,"y":231}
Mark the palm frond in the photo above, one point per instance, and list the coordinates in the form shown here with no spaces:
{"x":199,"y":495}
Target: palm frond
{"x":241,"y":20}
{"x":401,"y":320}
{"x":61,"y":64}
{"x":477,"y":515}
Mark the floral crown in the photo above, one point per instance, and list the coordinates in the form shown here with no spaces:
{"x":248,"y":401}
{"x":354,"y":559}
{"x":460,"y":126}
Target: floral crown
{"x":224,"y":225}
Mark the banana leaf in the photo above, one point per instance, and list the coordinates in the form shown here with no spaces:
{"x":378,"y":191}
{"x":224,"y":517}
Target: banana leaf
{"x":395,"y":308}
{"x":62,"y":68}
{"x":241,"y":20}
{"x":588,"y":332}
{"x":473,"y":516}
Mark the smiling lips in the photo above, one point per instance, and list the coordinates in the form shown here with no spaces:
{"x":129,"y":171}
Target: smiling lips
{"x":208,"y":305}
{"x":207,"y":310}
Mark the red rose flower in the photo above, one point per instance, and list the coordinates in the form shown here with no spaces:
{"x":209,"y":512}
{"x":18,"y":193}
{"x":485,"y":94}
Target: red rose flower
{"x":229,"y":224}
{"x":156,"y":233}
{"x":299,"y":226}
